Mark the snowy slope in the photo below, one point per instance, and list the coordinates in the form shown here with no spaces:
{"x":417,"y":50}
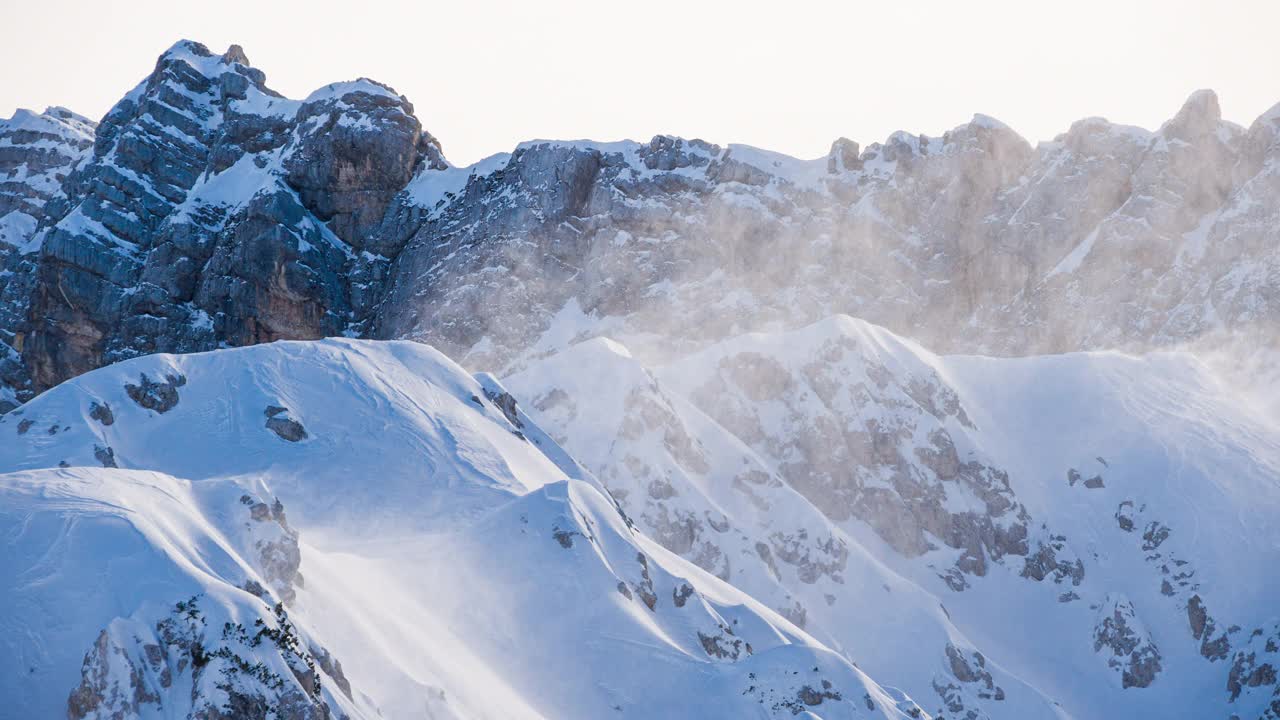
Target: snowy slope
{"x":434,"y":552}
{"x":1147,"y":491}
{"x":698,"y":489}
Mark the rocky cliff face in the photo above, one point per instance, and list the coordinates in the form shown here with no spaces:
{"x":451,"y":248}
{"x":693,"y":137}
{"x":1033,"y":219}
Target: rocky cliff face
{"x":37,"y":152}
{"x":1107,"y":236}
{"x":213,"y":211}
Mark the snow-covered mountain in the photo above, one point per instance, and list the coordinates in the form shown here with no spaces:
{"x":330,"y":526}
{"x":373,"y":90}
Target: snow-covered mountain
{"x":348,"y":528}
{"x":1085,"y":536}
{"x":694,"y":485}
{"x":1093,"y":525}
{"x":213,"y":212}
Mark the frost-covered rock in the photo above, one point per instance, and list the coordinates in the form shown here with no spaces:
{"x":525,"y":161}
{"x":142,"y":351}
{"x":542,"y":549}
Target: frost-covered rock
{"x":37,"y":152}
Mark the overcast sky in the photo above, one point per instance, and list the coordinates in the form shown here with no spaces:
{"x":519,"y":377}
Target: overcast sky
{"x":788,"y":75}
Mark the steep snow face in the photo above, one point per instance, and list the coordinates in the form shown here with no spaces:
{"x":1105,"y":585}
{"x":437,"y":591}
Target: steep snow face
{"x":1097,"y":523}
{"x":697,"y":488}
{"x":410,"y":413}
{"x":361,"y":529}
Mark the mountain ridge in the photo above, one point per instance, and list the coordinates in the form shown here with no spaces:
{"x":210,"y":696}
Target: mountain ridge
{"x":1159,"y":234}
{"x":747,"y":434}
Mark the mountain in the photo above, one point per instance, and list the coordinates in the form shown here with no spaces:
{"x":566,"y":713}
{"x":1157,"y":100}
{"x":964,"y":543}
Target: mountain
{"x":197,"y":220}
{"x":1073,"y":536}
{"x":213,"y":212}
{"x":1098,"y":528}
{"x":357,"y":529}
{"x":1038,"y":476}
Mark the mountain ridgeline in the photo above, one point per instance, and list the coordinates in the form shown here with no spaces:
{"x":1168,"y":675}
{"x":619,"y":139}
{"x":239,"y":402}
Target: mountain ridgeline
{"x":941,"y":428}
{"x":205,"y":211}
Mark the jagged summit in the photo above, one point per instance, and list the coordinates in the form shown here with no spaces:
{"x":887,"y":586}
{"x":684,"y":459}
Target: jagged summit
{"x":1199,"y":115}
{"x":200,"y":151}
{"x":235,"y":54}
{"x":213,"y":211}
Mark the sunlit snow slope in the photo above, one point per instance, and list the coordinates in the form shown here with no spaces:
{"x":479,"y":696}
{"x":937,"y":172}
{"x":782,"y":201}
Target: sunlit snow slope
{"x":356,"y":529}
{"x":1094,"y":530}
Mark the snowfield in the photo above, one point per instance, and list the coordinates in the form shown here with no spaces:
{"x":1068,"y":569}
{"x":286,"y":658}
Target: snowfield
{"x":719,"y":552}
{"x":434,"y":552}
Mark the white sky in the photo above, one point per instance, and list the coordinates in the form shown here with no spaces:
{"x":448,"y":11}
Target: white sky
{"x":788,"y":75}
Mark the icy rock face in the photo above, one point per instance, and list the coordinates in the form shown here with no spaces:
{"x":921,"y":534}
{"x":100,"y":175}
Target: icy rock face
{"x":358,"y":146}
{"x":37,"y":152}
{"x":213,"y":210}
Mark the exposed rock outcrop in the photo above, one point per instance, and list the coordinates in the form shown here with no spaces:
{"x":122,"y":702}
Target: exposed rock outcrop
{"x":1120,"y":636}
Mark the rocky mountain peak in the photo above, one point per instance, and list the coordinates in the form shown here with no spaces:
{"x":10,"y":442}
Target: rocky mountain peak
{"x":358,"y":146}
{"x":235,"y":54}
{"x":1198,"y":116}
{"x":680,"y":315}
{"x":215,"y":211}
{"x":1097,"y":136}
{"x":844,"y":155}
{"x":234,"y":209}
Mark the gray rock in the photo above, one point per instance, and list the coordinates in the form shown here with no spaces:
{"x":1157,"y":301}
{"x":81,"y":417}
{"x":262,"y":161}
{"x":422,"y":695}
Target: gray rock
{"x":154,"y":395}
{"x":102,"y":413}
{"x":279,"y":422}
{"x":1120,"y":635}
{"x":105,"y":455}
{"x":179,"y":651}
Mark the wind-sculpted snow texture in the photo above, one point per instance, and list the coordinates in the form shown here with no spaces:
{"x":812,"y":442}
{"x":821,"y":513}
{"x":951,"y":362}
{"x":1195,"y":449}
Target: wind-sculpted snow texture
{"x":693,"y":486}
{"x":424,"y":548}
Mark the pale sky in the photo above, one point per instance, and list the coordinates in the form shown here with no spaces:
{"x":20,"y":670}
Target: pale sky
{"x":787,"y":75}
